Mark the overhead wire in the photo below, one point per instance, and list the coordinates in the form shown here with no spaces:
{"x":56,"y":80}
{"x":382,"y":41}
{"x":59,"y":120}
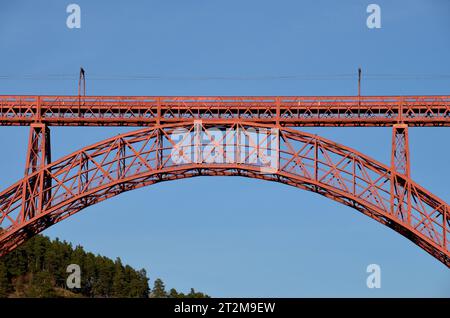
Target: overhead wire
{"x":303,"y":77}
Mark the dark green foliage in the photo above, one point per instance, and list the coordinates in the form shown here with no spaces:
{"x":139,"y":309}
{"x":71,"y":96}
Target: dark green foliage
{"x":194,"y":294}
{"x":38,"y":269}
{"x":5,"y":284}
{"x":159,"y":291}
{"x":41,"y":286}
{"x":173,"y":293}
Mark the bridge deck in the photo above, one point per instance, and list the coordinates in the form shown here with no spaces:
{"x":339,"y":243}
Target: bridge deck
{"x":283,"y":110}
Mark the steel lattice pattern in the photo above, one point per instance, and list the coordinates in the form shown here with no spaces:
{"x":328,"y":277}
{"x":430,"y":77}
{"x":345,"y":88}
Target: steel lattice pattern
{"x":285,"y":111}
{"x":51,"y":192}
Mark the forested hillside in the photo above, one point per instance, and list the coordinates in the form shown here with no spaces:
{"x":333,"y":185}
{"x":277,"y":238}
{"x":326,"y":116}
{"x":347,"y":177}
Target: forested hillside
{"x":38,"y":269}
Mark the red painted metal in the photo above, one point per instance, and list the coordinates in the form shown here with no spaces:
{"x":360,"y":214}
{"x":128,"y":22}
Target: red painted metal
{"x":400,"y":149}
{"x":401,"y":194}
{"x":147,"y":156}
{"x":52,"y":191}
{"x":34,"y":193}
{"x":283,"y":110}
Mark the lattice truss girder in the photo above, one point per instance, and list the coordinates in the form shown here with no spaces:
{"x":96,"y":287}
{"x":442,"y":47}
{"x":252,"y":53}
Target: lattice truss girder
{"x":284,"y":110}
{"x":176,"y":151}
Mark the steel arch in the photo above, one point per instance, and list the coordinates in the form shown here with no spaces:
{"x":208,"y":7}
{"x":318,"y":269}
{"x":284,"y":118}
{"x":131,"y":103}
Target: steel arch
{"x":168,"y":152}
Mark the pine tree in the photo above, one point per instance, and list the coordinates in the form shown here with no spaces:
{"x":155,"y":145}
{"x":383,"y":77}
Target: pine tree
{"x":173,"y":293}
{"x":119,"y":284}
{"x":103,"y":284}
{"x":143,"y":283}
{"x":194,"y":294}
{"x":159,"y":290}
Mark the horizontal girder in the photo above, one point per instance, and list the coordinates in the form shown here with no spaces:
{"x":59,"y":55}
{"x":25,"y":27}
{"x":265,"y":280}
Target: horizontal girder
{"x":281,"y":110}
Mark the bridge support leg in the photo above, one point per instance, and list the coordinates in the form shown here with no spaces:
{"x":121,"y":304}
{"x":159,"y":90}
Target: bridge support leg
{"x":159,"y":149}
{"x":37,"y":183}
{"x":400,"y":163}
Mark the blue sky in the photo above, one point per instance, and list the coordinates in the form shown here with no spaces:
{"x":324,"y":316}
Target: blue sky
{"x":231,"y":236}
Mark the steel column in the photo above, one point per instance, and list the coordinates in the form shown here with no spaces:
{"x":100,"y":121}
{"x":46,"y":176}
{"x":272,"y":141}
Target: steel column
{"x":400,"y":163}
{"x":36,"y":184}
